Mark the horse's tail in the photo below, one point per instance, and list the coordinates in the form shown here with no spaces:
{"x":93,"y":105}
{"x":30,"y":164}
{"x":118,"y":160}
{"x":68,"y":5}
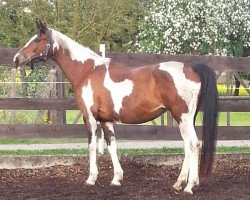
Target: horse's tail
{"x":208,"y":102}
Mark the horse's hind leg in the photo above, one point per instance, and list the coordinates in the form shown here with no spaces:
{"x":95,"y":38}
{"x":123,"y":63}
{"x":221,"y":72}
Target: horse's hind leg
{"x":109,"y":136}
{"x":189,"y":171}
{"x":193,"y":178}
{"x":183,"y":177}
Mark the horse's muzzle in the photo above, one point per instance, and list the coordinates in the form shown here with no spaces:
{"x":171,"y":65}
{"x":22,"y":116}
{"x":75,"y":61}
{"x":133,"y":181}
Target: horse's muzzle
{"x":19,"y":59}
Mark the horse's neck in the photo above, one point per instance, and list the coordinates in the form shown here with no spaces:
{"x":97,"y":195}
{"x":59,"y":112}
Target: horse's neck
{"x":75,"y":60}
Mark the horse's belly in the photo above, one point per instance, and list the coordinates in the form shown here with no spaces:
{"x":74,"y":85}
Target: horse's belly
{"x":138,"y":116}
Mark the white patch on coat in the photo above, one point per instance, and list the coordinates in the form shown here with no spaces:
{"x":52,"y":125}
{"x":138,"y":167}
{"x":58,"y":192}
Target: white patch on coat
{"x":17,"y":54}
{"x":87,"y":96}
{"x":110,"y":126}
{"x":76,"y":51}
{"x":112,"y":148}
{"x":27,"y":44}
{"x":118,"y":90}
{"x":186,"y":88}
{"x":31,"y":39}
{"x":189,"y":92}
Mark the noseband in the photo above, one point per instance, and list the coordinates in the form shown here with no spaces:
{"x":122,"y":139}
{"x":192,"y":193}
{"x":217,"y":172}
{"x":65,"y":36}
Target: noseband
{"x":42,"y":56}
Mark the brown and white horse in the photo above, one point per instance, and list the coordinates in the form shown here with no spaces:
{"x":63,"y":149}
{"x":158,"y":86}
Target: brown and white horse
{"x":110,"y":92}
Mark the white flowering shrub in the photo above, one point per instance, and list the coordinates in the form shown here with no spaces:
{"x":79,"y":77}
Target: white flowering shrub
{"x":219,"y":27}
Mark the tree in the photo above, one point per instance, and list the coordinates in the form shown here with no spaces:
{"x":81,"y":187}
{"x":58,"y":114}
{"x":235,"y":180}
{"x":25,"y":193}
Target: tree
{"x":191,"y":26}
{"x":113,"y":22}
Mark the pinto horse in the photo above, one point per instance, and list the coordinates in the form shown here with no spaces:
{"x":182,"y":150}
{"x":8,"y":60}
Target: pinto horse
{"x":109,"y":92}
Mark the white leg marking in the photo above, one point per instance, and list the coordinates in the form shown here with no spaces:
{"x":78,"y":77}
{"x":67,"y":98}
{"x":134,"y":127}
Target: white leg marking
{"x":183,"y":177}
{"x":118,"y":90}
{"x":118,"y":172}
{"x":93,"y":171}
{"x":188,"y":131}
{"x":87,"y":95}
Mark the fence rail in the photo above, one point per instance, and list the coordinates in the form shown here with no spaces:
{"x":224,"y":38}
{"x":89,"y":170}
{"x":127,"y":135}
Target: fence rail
{"x":218,"y":63}
{"x":128,"y":132}
{"x":226,"y":104}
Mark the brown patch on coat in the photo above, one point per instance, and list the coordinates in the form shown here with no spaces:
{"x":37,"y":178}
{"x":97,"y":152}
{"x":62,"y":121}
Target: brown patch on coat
{"x":79,"y":71}
{"x":154,"y":92}
{"x":190,"y":74}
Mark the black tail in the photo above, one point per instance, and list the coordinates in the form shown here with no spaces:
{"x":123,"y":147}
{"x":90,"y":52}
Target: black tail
{"x":208,"y":102}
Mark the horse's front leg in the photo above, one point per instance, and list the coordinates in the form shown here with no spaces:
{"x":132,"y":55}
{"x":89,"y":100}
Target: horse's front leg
{"x":93,"y":171}
{"x":109,"y":135}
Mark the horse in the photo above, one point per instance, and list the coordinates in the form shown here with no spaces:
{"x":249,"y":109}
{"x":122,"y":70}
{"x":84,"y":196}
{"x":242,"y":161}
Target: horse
{"x":109,"y":92}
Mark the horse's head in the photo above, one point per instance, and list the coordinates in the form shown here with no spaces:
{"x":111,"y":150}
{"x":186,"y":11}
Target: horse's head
{"x":37,"y":48}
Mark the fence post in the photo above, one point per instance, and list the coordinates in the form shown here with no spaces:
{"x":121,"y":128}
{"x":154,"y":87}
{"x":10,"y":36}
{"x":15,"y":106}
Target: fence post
{"x":11,"y":114}
{"x":170,"y":119}
{"x":60,"y":87}
{"x":52,"y":114}
{"x":228,"y":93}
{"x":24,"y":85}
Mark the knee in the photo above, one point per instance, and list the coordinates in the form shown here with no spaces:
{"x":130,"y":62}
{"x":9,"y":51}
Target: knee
{"x":109,"y":138}
{"x":196,"y":146}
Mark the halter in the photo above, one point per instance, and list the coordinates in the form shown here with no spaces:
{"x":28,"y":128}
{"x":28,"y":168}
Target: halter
{"x":42,"y":56}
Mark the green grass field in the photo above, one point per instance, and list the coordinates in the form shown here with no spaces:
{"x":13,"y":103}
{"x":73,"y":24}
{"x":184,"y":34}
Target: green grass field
{"x":29,"y":117}
{"x":84,"y":152}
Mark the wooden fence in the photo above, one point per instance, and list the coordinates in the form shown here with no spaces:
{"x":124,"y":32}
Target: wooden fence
{"x":168,"y":131}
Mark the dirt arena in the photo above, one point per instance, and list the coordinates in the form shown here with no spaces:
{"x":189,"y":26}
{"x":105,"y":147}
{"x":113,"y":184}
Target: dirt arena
{"x":230,"y":180}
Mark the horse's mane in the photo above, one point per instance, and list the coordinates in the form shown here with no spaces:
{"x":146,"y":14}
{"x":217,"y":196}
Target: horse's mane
{"x":77,"y":51}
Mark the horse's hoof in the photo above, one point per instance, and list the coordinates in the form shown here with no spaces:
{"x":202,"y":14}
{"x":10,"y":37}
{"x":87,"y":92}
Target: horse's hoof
{"x":197,"y":183}
{"x":115,"y":183}
{"x":188,"y":190}
{"x":177,"y":187}
{"x":90,"y":182}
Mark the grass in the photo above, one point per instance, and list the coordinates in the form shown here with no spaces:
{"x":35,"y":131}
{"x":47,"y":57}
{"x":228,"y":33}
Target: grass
{"x":236,"y":119}
{"x":84,"y":152}
{"x":28,"y":117}
{"x":41,"y":140}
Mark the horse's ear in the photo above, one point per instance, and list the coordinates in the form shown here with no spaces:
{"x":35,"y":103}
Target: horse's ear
{"x":41,"y":27}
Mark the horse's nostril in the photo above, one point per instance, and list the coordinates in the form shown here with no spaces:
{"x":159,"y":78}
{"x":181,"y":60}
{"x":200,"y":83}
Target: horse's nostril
{"x":16,"y":62}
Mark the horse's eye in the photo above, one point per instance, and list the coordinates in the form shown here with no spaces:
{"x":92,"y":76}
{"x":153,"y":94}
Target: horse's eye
{"x":37,"y":40}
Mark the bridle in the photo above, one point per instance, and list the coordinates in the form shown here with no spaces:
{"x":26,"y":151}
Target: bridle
{"x":42,"y":56}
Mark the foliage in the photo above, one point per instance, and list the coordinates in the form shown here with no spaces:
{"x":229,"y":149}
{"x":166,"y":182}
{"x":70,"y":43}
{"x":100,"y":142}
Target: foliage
{"x":219,"y":27}
{"x":31,"y":89}
{"x":113,"y":22}
{"x":222,"y":90}
{"x":35,"y":89}
{"x":12,"y":117}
